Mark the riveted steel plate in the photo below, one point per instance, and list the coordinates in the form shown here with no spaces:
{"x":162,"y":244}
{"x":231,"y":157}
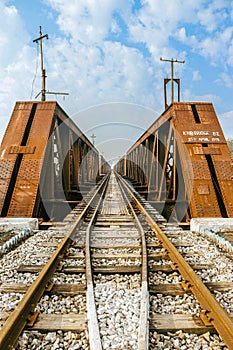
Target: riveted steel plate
{"x":6,"y":167}
{"x":23,"y":198}
{"x":206,"y":150}
{"x":28,"y":177}
{"x":24,"y":189}
{"x":223,"y":170}
{"x":203,"y":189}
{"x":200,"y":170}
{"x":23,"y":105}
{"x":200,"y":209}
{"x":31,"y":169}
{"x":22,"y":210}
{"x":205,"y":107}
{"x":3,"y":189}
{"x":203,"y":210}
{"x":181,"y":107}
{"x":47,"y":105}
{"x":22,"y":149}
{"x":14,"y":134}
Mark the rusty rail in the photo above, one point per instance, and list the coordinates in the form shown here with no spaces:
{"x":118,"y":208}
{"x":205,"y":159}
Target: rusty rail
{"x":213,"y":313}
{"x":17,"y":320}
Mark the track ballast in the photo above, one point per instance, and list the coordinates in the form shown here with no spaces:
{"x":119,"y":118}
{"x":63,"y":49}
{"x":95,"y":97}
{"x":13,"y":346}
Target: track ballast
{"x":106,"y":279}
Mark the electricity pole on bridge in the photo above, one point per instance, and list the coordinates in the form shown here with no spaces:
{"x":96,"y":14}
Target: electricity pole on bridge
{"x":43,"y":91}
{"x":43,"y":72}
{"x":172,"y":74}
{"x":93,"y":137}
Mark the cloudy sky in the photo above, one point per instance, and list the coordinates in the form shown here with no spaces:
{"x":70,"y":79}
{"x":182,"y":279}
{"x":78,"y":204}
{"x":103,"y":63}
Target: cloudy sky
{"x":106,"y":55}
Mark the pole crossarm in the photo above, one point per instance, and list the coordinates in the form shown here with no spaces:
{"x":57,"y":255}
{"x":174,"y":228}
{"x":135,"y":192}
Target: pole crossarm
{"x":40,"y":38}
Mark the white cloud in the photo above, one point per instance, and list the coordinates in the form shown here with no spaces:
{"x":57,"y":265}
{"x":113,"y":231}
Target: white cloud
{"x":212,"y":16}
{"x":200,"y":25}
{"x":226,"y":119}
{"x":217,"y":47}
{"x":12,"y":34}
{"x":225,"y":80}
{"x":16,"y":62}
{"x":88,"y":21}
{"x":189,"y":95}
{"x":196,"y":75}
{"x":157,"y":21}
{"x":95,"y":69}
{"x":190,"y":40}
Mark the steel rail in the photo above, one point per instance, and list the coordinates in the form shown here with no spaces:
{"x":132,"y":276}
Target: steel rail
{"x":143,"y":331}
{"x":17,"y":320}
{"x":213,"y":312}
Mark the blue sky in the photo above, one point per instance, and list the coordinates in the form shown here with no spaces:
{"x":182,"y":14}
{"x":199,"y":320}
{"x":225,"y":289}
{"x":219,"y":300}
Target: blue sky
{"x":106,"y":54}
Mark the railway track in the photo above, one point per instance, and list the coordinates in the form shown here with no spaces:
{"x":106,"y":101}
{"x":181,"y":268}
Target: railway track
{"x":99,"y":278}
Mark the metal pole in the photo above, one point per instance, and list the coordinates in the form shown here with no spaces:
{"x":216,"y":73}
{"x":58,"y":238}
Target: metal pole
{"x":93,"y":139}
{"x":172,"y":74}
{"x":43,"y":98}
{"x":172,"y":82}
{"x":43,"y":72}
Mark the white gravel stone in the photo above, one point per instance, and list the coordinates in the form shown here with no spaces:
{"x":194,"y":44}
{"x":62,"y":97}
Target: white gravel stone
{"x":53,"y":340}
{"x":183,"y":304}
{"x":118,"y":310}
{"x":180,"y":340}
{"x":62,"y":305}
{"x":63,"y":278}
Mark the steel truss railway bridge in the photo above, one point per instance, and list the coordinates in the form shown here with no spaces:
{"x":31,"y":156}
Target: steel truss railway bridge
{"x":181,"y":164}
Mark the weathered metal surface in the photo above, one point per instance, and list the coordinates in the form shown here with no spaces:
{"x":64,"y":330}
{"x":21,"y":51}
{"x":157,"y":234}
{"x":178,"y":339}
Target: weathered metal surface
{"x":22,"y":149}
{"x":198,"y":127}
{"x":44,"y":159}
{"x":26,"y":185}
{"x":14,"y":134}
{"x":184,"y":158}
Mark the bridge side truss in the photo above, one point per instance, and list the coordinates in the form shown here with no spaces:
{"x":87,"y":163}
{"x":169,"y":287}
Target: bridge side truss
{"x":46,"y":163}
{"x":182,"y":164}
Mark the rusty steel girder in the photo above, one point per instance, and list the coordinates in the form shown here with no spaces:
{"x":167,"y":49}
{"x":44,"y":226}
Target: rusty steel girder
{"x":208,"y":157}
{"x":184,"y":157}
{"x":43,"y":151}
